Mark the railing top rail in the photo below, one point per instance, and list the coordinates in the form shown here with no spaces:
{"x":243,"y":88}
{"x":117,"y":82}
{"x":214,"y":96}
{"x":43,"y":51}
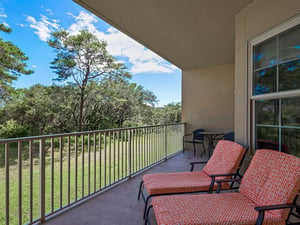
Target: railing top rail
{"x":10,"y":140}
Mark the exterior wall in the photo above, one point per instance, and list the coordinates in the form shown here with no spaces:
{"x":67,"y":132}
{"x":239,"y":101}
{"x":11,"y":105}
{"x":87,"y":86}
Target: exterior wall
{"x":250,"y":22}
{"x":207,"y":98}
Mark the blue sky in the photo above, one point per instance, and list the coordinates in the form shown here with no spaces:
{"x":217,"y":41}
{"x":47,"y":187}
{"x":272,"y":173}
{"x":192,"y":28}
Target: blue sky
{"x":32,"y":22}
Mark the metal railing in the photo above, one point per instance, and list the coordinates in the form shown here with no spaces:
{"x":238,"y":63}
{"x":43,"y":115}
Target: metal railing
{"x":43,"y":175}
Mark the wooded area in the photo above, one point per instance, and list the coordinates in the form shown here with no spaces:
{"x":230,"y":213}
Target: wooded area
{"x":96,"y":92}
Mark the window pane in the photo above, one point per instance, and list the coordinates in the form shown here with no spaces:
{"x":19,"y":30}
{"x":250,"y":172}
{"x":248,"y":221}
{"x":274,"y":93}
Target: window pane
{"x":264,"y":54}
{"x":289,"y":44}
{"x":264,"y":81}
{"x":289,"y":76}
{"x":267,"y":112}
{"x":291,"y":141}
{"x":267,"y":138}
{"x":290,"y":110}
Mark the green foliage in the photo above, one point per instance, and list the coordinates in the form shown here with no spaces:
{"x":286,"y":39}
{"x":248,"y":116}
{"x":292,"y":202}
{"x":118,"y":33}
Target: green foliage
{"x":12,"y":129}
{"x":12,"y":64}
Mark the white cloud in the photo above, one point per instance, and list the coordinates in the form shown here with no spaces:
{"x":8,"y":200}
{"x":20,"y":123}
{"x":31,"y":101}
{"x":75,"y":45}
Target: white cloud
{"x":2,"y":13}
{"x":43,"y":27}
{"x":33,"y":66}
{"x":142,"y":59}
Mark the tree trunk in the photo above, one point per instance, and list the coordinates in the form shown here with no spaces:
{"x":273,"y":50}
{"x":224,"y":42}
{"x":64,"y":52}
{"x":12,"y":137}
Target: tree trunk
{"x":81,"y":110}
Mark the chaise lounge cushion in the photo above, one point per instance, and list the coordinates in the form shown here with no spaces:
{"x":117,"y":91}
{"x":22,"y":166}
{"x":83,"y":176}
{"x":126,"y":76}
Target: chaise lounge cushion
{"x":162,"y":183}
{"x":272,"y":178}
{"x":225,"y":159}
{"x":212,"y":209}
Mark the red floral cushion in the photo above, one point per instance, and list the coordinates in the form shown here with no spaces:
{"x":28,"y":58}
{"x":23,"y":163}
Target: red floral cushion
{"x":272,"y":178}
{"x":162,"y":183}
{"x":225,"y":159}
{"x":209,"y":209}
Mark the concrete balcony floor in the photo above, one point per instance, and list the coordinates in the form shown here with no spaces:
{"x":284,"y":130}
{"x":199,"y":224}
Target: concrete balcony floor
{"x":119,"y":205}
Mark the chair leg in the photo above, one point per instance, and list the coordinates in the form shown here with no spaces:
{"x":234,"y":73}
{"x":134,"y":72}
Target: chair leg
{"x":140,"y":190}
{"x":194,"y":149}
{"x":146,"y":205}
{"x":147,"y":221}
{"x":204,"y":151}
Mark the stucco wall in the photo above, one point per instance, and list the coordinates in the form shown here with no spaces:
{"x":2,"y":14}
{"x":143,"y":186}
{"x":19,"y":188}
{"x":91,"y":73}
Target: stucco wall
{"x":250,"y":22}
{"x":207,"y":98}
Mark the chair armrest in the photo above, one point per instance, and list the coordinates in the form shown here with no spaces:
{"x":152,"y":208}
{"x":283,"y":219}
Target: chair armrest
{"x":221,"y":175}
{"x":262,"y":209}
{"x":187,"y":134}
{"x":213,"y":179}
{"x":273,"y":207}
{"x":219,"y":182}
{"x":193,"y":164}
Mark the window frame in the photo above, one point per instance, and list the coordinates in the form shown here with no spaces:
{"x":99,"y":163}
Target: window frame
{"x":288,"y":24}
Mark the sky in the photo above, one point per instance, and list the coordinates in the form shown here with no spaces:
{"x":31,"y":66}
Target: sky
{"x":32,"y":22}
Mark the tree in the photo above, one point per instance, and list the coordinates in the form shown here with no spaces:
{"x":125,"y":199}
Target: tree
{"x":12,"y":64}
{"x":84,"y":58}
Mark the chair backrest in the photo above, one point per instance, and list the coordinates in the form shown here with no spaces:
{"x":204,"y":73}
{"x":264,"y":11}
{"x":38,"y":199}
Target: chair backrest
{"x":229,"y":136}
{"x":197,"y":134}
{"x":226,"y":158}
{"x":272,"y":178}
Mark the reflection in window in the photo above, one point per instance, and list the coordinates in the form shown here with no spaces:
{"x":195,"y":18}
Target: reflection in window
{"x":265,"y":81}
{"x":267,"y":112}
{"x":289,"y":76}
{"x":264,"y":54}
{"x":267,"y":138}
{"x":291,"y":141}
{"x":289,"y":45}
{"x":290,"y":112}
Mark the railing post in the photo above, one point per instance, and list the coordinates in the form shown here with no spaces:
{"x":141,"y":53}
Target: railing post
{"x":42,"y":179}
{"x":129,"y":153}
{"x":166,"y":142}
{"x":7,"y":183}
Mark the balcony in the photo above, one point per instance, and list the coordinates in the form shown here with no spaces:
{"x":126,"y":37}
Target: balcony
{"x":119,"y":205}
{"x":45,"y":175}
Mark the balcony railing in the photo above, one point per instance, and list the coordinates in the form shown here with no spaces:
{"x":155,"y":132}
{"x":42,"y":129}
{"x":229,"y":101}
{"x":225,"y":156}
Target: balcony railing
{"x":46,"y":174}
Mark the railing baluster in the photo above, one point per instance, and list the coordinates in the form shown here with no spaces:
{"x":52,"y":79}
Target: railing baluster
{"x":52,"y":174}
{"x":7,"y":183}
{"x":118,"y":139}
{"x":165,"y":142}
{"x":114,"y":149}
{"x":129,"y":154}
{"x":20,"y":181}
{"x":100,"y":161}
{"x":82,"y":166}
{"x":95,"y":169}
{"x":76,"y":167}
{"x":109,"y":158}
{"x":139,"y":150}
{"x":42,"y":180}
{"x":104,"y":159}
{"x":69,"y":169}
{"x":30,"y":182}
{"x":89,"y":164}
{"x":60,"y":171}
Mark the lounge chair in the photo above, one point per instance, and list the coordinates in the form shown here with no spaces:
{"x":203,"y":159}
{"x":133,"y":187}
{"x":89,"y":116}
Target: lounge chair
{"x":224,"y":163}
{"x":267,"y":193}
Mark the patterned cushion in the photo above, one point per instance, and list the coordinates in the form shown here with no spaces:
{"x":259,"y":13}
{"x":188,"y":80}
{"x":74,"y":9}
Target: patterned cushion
{"x":272,"y":178}
{"x":162,"y":183}
{"x":212,"y":209}
{"x":225,"y":159}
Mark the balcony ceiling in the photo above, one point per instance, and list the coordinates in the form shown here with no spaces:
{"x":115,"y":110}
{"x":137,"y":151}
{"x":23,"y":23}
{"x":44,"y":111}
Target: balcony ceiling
{"x":187,"y":33}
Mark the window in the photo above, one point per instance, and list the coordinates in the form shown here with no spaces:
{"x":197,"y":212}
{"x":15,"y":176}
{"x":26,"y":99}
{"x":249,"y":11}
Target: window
{"x":275,"y":91}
